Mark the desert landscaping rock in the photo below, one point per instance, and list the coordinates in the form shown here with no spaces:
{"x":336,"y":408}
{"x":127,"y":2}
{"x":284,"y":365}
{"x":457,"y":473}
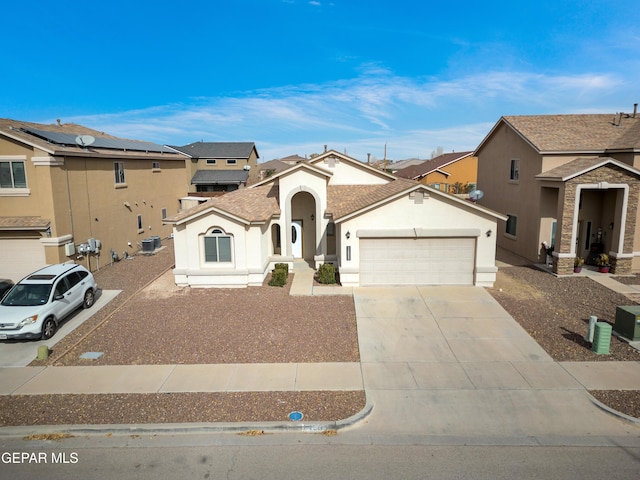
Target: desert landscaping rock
{"x":153,"y":322}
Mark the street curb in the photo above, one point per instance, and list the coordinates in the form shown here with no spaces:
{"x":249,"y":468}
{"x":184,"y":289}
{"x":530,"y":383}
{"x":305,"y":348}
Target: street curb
{"x":172,"y":428}
{"x":612,"y":411}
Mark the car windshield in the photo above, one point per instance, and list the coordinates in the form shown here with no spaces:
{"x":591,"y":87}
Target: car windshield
{"x":27,"y":295}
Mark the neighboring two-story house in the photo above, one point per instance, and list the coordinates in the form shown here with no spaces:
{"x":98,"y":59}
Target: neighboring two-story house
{"x":219,"y":167}
{"x":450,"y":172}
{"x":570,"y":181}
{"x":61,"y":185}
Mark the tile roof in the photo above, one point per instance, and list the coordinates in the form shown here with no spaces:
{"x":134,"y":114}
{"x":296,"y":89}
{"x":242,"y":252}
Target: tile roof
{"x":23,"y":223}
{"x":424,"y":168}
{"x":578,"y":133}
{"x":219,"y":177}
{"x":217,"y":149}
{"x":579,"y":166}
{"x":15,"y":129}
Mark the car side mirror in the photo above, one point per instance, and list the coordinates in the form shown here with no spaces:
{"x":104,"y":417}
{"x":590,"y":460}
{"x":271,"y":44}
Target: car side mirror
{"x":58,"y":297}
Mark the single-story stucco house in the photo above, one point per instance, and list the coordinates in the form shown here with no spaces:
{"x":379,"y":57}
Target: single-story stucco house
{"x":376,"y":229}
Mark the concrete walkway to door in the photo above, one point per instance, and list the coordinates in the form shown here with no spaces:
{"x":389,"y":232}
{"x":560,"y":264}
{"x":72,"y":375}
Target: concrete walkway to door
{"x":451,"y":364}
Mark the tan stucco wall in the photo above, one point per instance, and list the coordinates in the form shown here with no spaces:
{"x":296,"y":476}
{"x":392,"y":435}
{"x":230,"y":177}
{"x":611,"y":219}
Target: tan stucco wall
{"x":79,"y":197}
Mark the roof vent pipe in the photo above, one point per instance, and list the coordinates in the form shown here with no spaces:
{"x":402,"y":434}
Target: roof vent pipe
{"x":325,"y":149}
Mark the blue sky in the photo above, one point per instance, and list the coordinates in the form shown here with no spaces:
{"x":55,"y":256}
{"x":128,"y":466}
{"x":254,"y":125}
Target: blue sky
{"x":294,"y":75}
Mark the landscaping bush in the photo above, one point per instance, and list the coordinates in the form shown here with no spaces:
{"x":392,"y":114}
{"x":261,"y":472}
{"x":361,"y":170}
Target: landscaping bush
{"x":327,"y":274}
{"x":279,"y":277}
{"x":283,"y":266}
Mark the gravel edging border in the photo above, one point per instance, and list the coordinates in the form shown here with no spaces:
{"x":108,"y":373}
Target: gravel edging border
{"x":612,"y":411}
{"x":237,"y":428}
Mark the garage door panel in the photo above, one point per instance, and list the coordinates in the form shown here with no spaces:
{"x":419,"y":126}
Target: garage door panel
{"x":422,"y":261}
{"x":19,"y":257}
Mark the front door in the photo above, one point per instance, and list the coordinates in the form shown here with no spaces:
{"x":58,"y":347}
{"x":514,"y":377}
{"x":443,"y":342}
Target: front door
{"x":296,"y":238}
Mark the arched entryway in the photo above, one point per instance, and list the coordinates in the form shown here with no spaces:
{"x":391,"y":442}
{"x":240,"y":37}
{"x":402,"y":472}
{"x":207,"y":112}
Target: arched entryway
{"x":302,"y":234}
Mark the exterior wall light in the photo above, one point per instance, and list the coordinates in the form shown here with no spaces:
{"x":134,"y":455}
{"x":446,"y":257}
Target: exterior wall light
{"x":488,"y":233}
{"x":348,"y":235}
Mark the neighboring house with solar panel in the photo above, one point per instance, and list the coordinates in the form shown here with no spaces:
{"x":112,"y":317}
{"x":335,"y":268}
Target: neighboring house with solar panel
{"x":570,"y":181}
{"x":61,"y":185}
{"x":377,"y":229}
{"x":219,"y":167}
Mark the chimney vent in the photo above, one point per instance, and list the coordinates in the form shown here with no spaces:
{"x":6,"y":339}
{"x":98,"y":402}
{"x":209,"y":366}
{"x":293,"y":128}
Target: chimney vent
{"x":635,"y":109}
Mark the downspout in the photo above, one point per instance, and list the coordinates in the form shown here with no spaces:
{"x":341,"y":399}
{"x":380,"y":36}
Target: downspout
{"x":66,"y":169}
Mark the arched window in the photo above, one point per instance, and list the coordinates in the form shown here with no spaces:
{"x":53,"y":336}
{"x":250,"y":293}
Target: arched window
{"x":217,"y":247}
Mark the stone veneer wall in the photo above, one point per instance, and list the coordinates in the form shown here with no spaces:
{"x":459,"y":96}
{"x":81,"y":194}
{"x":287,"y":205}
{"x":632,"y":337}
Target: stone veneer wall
{"x":611,"y":174}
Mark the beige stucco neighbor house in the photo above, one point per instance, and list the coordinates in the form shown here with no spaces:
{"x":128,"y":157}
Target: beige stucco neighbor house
{"x":570,"y":181}
{"x":377,"y":229}
{"x":58,"y":191}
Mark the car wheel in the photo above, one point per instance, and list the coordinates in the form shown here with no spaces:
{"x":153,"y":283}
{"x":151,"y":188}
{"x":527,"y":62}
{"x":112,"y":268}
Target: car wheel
{"x":48,"y":328}
{"x":89,"y":298}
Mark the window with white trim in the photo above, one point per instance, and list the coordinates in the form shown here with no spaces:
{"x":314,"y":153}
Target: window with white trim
{"x":155,"y":166}
{"x":118,"y":170}
{"x":512,"y":225}
{"x":217,"y":247}
{"x":211,"y":161}
{"x":12,"y":174}
{"x":514,"y":171}
{"x":231,"y":161}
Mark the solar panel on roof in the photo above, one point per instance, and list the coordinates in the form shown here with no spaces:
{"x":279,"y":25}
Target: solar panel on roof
{"x":100,"y":142}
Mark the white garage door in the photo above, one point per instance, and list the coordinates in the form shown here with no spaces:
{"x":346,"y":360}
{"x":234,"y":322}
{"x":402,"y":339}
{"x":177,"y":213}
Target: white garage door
{"x":20,"y":257}
{"x":417,"y":261}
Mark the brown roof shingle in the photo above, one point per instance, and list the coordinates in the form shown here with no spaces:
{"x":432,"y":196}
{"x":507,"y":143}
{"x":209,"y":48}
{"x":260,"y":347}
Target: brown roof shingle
{"x":578,"y":133}
{"x":343,"y":200}
{"x":428,"y":166}
{"x":257,"y":204}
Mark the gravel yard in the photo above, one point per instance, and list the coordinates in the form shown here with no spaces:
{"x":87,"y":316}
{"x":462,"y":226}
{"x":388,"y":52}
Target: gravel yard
{"x":153,"y":322}
{"x":555,"y":312}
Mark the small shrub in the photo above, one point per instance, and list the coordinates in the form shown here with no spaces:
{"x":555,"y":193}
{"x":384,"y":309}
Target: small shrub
{"x":283,"y":266}
{"x":278,"y":277}
{"x":327,"y":274}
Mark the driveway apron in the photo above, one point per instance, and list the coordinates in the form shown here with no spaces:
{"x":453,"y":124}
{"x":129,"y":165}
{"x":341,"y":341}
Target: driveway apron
{"x":450,"y":362}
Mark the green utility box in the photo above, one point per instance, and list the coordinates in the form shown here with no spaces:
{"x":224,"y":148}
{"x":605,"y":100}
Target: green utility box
{"x":601,"y":338}
{"x":628,"y":322}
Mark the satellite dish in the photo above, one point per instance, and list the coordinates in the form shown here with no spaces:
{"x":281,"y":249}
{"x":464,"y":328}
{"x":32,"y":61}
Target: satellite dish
{"x":247,"y":167}
{"x":85,"y":140}
{"x":476,"y":195}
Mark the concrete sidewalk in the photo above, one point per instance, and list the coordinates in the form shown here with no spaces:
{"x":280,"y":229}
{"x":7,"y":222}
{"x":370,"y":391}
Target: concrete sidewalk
{"x":180,"y":378}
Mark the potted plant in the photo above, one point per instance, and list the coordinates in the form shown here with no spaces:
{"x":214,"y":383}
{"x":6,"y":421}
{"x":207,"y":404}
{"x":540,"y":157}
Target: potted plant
{"x":577,"y":264}
{"x":603,"y":263}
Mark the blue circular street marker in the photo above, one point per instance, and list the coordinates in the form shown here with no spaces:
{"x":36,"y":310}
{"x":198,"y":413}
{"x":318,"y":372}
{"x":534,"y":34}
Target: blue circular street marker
{"x":296,"y":416}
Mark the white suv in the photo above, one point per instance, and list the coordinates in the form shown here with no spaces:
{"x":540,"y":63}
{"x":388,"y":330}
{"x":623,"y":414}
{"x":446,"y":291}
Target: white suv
{"x":35,"y":306}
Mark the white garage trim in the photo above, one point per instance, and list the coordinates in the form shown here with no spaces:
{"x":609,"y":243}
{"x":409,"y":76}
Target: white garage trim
{"x":418,"y":233}
{"x":417,"y":261}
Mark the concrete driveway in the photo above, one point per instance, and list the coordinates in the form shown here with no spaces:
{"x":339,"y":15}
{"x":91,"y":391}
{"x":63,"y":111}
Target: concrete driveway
{"x":20,"y":353}
{"x":450,"y":361}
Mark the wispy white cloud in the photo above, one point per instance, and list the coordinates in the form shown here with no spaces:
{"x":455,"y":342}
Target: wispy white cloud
{"x":412,"y":116}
